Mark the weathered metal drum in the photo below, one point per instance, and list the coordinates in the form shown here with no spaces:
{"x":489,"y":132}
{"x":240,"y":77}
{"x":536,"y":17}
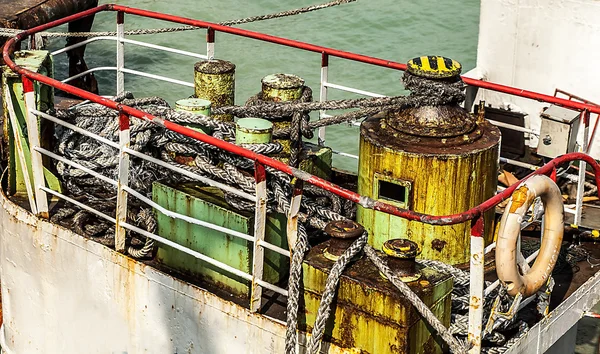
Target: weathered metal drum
{"x":432,"y":160}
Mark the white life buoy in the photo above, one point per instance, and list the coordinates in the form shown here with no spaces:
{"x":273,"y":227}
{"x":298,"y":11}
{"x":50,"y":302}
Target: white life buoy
{"x":510,"y":229}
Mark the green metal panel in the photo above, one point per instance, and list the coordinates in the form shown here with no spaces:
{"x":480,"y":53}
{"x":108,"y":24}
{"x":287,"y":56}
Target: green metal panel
{"x":38,"y":61}
{"x":369,"y":314}
{"x":207,"y":204}
{"x":317,"y":160}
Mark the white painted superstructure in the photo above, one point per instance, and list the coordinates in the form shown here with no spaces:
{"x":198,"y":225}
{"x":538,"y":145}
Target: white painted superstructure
{"x":539,"y":45}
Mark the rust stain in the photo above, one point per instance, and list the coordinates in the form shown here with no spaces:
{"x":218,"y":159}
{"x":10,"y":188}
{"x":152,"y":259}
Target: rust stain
{"x":519,"y":197}
{"x":438,"y":244}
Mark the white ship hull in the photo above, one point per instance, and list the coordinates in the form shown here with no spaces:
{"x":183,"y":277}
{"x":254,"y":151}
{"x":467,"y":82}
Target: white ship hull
{"x":63,"y":293}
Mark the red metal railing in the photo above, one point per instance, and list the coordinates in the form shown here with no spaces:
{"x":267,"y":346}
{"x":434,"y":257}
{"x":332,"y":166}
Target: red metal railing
{"x":347,"y":194}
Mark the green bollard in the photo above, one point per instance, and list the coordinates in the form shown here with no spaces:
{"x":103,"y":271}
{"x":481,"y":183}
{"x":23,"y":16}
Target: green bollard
{"x":253,"y":131}
{"x":214,"y":80}
{"x":282,"y":88}
{"x":196,"y":106}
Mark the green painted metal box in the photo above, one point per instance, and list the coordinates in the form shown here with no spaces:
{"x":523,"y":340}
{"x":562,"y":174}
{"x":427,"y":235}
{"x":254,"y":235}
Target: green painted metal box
{"x":38,"y":61}
{"x":370,"y":315}
{"x":207,"y":204}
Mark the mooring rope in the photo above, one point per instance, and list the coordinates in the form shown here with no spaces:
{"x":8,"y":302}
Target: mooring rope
{"x":318,"y":207}
{"x":10,"y":32}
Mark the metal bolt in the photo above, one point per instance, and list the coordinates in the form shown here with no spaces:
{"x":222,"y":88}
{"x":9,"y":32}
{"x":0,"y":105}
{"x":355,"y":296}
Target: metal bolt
{"x":343,"y":233}
{"x":401,"y":258}
{"x":547,"y":140}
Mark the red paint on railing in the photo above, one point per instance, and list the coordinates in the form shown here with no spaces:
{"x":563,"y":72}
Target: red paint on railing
{"x":470,"y":214}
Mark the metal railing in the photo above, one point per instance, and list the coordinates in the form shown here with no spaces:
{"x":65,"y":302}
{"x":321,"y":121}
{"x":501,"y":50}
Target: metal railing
{"x":37,"y":191}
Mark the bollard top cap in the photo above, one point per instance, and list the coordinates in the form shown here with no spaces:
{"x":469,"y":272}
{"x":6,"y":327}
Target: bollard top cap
{"x":401,"y":248}
{"x":434,"y":67}
{"x":345,"y":229}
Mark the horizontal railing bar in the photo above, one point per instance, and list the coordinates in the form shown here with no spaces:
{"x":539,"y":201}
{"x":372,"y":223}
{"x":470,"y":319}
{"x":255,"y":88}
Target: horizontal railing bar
{"x":75,"y":128}
{"x":274,"y":248}
{"x":76,"y":165}
{"x":345,"y":154}
{"x":165,"y":49}
{"x":351,"y":89}
{"x":186,"y":218}
{"x":202,"y":179}
{"x":82,"y":43}
{"x":79,"y":204}
{"x":191,"y":252}
{"x":158,"y":77}
{"x":130,"y":71}
{"x":83,"y":73}
{"x":130,"y":41}
{"x":514,"y":127}
{"x":271,"y":287}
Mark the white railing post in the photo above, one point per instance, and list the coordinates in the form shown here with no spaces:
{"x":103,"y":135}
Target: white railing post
{"x":323,"y":94}
{"x":120,"y":53}
{"x":476,"y":286}
{"x":260,"y":219}
{"x":210,"y":43}
{"x":37,"y":167}
{"x":585,"y":117}
{"x":123,"y":180}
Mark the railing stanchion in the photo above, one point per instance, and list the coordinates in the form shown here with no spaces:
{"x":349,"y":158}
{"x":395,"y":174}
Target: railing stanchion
{"x":585,"y":117}
{"x":210,"y":43}
{"x":260,"y":219}
{"x":120,"y":53}
{"x":123,"y":180}
{"x":37,"y":167}
{"x":476,"y":285}
{"x":323,"y":94}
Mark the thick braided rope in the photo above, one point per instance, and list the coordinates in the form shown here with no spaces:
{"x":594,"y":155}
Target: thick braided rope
{"x":300,"y":248}
{"x":146,"y":218}
{"x":333,"y":279}
{"x":455,"y":345}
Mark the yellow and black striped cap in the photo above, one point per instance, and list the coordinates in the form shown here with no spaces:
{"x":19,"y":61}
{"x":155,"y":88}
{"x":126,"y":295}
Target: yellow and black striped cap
{"x":434,"y":67}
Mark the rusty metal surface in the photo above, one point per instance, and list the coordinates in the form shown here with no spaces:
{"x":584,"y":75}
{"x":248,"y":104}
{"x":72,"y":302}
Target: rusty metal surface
{"x":25,"y":14}
{"x":376,"y":131}
{"x":432,"y":121}
{"x":441,"y":176}
{"x":371,"y":316}
{"x":214,"y":80}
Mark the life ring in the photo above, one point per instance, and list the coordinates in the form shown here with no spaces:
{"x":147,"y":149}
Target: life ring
{"x":510,"y":228}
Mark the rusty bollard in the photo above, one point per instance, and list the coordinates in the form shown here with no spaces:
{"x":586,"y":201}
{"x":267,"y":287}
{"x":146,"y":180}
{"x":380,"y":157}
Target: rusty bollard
{"x":401,"y":258}
{"x":343,"y":233}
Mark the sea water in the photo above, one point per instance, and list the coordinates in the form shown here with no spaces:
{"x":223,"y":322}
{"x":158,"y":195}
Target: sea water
{"x":389,"y":29}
